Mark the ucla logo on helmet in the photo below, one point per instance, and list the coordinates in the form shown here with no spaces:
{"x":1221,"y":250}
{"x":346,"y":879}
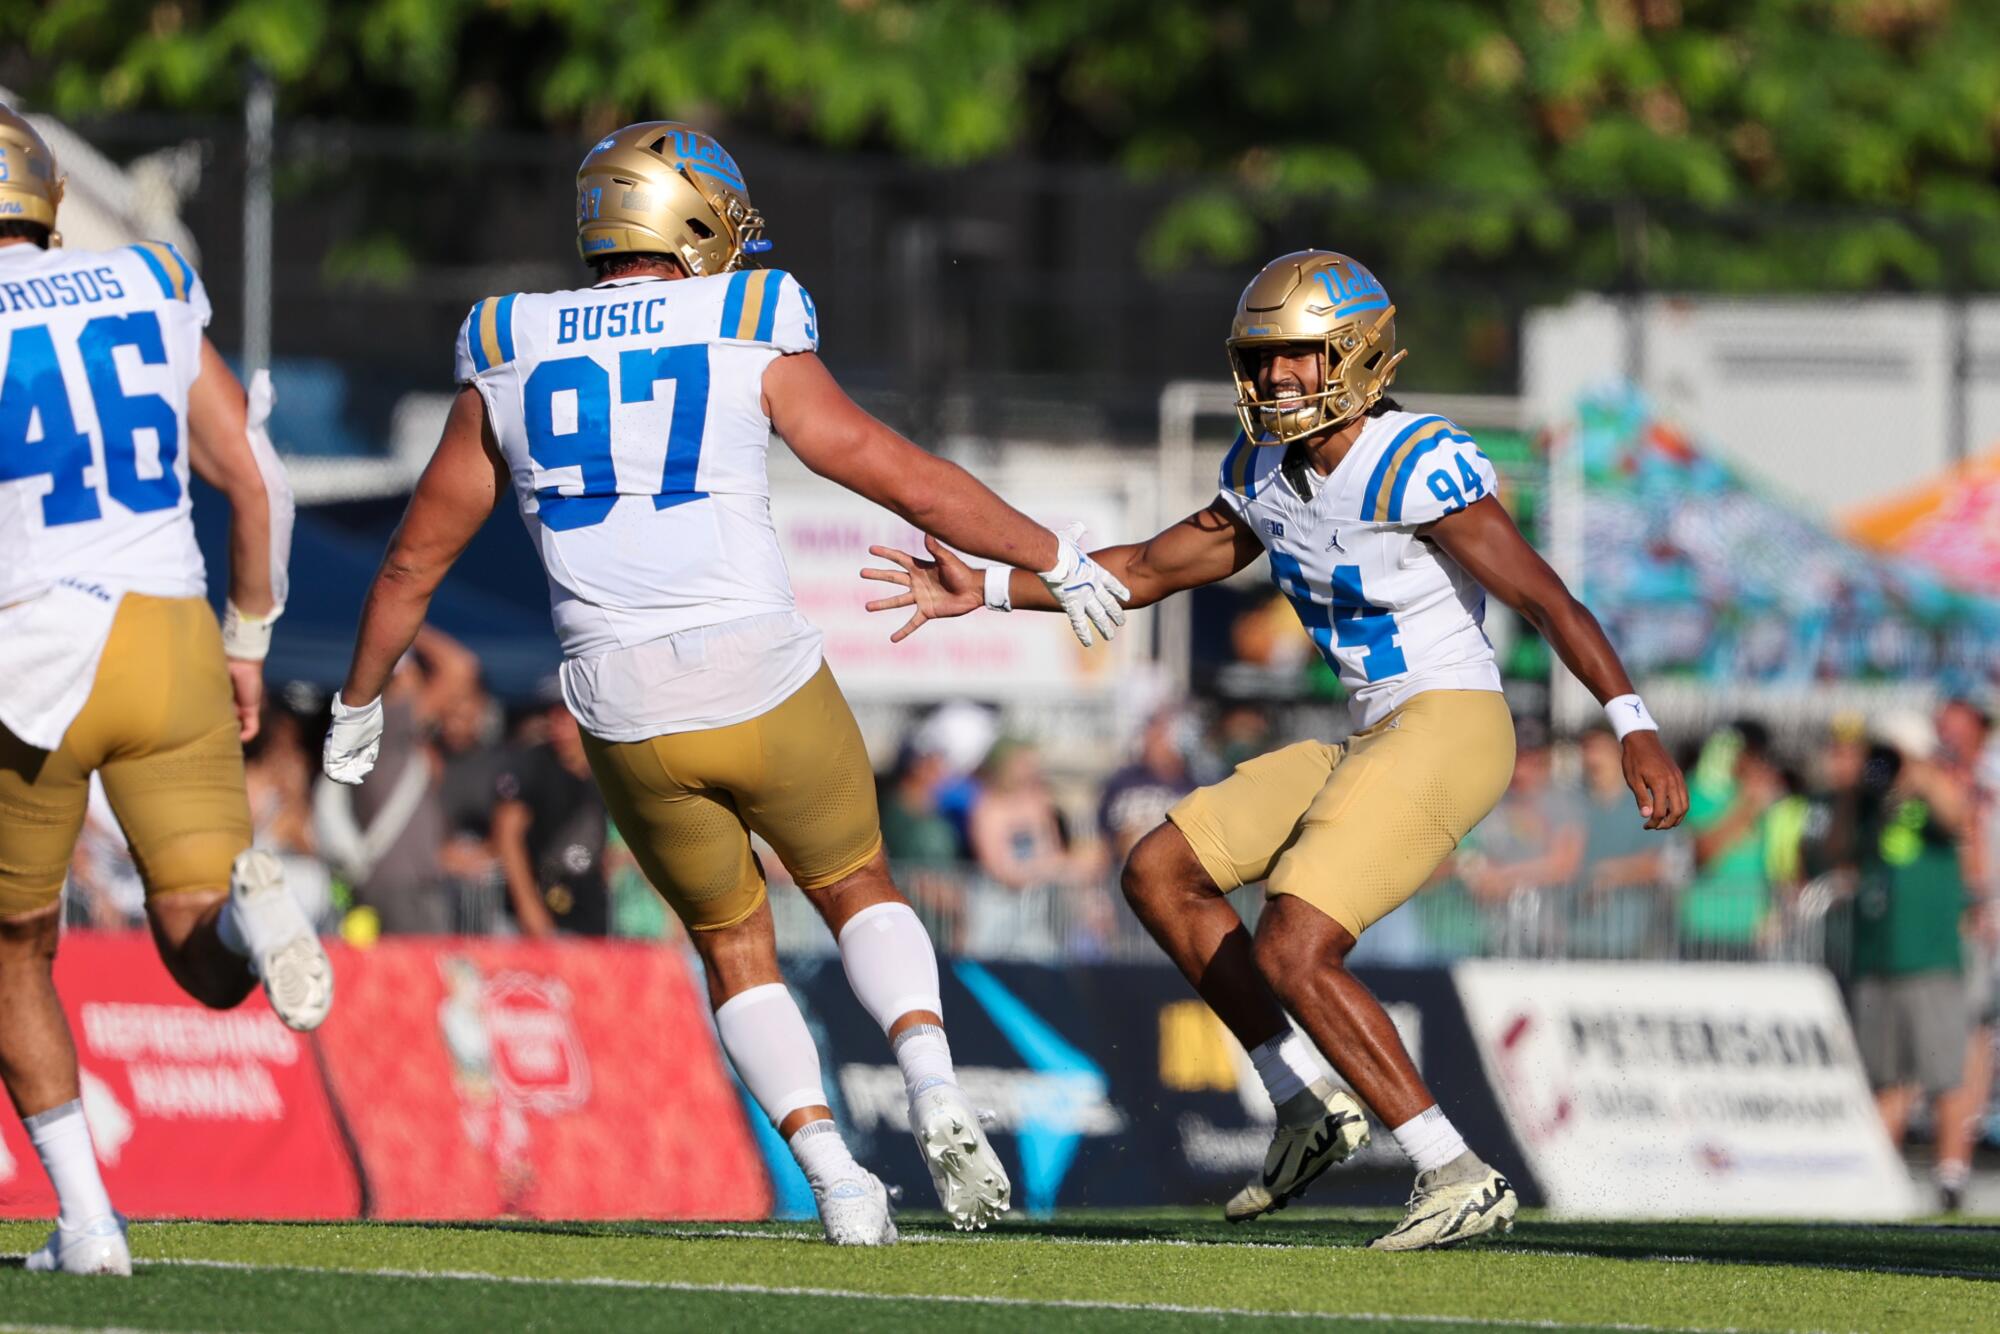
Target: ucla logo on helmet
{"x":698,"y":152}
{"x":1353,"y":291}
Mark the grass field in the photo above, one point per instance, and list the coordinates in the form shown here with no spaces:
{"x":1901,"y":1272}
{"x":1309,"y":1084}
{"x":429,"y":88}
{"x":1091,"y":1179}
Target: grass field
{"x":1120,"y":1271}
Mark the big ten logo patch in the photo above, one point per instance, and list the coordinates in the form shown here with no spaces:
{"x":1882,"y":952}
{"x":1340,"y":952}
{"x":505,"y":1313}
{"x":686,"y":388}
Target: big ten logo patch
{"x":1196,"y":1051}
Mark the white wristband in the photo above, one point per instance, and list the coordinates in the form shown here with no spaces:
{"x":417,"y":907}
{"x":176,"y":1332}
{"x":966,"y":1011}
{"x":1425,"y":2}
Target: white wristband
{"x":998,"y":595}
{"x":247,"y":637}
{"x":1627,"y":714}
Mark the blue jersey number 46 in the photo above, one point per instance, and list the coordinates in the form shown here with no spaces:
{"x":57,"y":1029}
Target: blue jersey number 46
{"x":34,"y":395}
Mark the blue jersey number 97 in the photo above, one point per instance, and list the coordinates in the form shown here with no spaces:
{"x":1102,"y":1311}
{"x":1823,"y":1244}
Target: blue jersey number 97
{"x":587,"y":447}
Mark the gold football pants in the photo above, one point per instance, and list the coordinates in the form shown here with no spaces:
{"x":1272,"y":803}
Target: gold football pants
{"x":1355,"y":829}
{"x":160,"y":729}
{"x":687,"y":803}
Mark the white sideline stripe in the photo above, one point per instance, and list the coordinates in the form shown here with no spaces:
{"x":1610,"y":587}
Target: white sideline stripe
{"x":42,"y":1327}
{"x":945,"y":1298}
{"x":812,"y":1234}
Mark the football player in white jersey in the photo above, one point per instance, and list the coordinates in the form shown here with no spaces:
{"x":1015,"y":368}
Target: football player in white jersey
{"x":112,"y":661}
{"x":1384,"y":531}
{"x":631,"y":419}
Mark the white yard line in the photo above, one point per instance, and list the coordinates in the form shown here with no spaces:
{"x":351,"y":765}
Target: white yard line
{"x":810,"y":1233}
{"x":41,"y":1327}
{"x":943,"y":1298}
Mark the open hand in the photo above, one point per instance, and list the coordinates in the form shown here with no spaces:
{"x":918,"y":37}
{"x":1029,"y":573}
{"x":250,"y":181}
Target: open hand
{"x":1655,"y":780}
{"x":246,"y":683}
{"x":939,"y":588}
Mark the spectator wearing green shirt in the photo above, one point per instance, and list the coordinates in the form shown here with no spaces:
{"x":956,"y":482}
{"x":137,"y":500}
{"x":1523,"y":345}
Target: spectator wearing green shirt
{"x":1911,"y":1016}
{"x":1726,"y":908}
{"x":922,"y":842}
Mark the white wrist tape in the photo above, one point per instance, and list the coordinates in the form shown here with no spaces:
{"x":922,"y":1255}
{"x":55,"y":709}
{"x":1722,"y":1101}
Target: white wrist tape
{"x":999,"y":596}
{"x":1627,"y":714}
{"x":245,"y":636}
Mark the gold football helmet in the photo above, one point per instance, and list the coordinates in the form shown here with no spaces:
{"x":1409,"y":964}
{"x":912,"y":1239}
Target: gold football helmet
{"x":30,"y":185}
{"x":1314,"y":296}
{"x":661,"y":187}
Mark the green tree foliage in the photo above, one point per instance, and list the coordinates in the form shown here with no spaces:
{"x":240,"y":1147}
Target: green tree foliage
{"x":1451,"y":131}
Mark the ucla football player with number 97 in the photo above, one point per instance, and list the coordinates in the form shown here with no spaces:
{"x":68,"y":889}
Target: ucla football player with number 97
{"x":631,"y":419}
{"x":113,"y":666}
{"x":1384,"y":531}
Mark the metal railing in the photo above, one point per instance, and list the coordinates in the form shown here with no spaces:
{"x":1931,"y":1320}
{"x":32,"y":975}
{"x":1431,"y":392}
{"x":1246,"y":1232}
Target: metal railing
{"x":970,"y":915}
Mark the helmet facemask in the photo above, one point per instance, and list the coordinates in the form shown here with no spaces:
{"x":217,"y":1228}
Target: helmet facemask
{"x":1354,"y":369}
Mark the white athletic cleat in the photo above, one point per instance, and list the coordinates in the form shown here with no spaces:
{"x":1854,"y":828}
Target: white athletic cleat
{"x":95,"y":1248}
{"x":1477,"y":1201}
{"x":855,"y":1211}
{"x":284,"y":950}
{"x":1301,"y":1149}
{"x":971,"y":1183}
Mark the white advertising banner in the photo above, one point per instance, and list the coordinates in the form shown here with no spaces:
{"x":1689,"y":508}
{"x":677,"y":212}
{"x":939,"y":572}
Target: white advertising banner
{"x":826,"y":532}
{"x":1684,"y":1090}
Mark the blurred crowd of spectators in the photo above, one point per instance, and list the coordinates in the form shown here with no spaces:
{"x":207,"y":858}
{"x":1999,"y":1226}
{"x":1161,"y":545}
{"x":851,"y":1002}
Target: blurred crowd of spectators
{"x":1870,"y":846}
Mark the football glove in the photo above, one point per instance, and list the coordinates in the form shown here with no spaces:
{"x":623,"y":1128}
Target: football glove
{"x":353,"y":742}
{"x":1088,"y":592}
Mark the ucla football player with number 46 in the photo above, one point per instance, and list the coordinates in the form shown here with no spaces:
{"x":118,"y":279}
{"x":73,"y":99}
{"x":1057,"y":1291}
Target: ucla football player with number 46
{"x":1384,"y":532}
{"x":111,"y":396}
{"x":631,"y":419}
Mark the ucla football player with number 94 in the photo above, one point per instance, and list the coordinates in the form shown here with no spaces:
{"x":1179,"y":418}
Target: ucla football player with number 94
{"x":111,"y":398}
{"x":1384,"y":531}
{"x":631,"y":419}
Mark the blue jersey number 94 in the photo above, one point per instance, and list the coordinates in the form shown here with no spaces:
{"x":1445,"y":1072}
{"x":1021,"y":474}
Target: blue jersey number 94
{"x":34,"y":391}
{"x":587,"y":447}
{"x":1346,"y":617}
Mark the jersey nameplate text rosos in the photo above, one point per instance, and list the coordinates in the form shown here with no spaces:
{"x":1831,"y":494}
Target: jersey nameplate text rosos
{"x":98,"y":350}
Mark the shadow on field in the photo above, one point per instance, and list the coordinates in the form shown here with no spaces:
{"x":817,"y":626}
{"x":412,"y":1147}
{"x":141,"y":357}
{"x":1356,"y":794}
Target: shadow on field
{"x":1966,"y":1251}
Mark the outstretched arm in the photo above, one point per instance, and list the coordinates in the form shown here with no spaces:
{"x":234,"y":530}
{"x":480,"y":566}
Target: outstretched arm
{"x":1207,"y":546}
{"x":1483,"y":539}
{"x":839,"y":441}
{"x":834,"y":437}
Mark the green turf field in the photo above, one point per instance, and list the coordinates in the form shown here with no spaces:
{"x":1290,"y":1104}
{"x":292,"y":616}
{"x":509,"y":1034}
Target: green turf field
{"x":1096,"y":1271}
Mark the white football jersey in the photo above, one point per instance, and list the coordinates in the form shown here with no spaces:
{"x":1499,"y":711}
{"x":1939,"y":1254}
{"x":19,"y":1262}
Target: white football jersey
{"x":631,"y":416}
{"x":98,"y":349}
{"x":1392,"y":613}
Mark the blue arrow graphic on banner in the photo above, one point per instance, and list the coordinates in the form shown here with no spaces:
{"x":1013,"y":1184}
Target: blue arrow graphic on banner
{"x":1048,"y":1132}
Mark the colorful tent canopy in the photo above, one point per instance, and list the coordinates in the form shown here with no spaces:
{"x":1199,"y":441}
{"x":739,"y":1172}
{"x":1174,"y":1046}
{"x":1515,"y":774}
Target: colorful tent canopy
{"x":1696,"y":572}
{"x":1951,"y":526}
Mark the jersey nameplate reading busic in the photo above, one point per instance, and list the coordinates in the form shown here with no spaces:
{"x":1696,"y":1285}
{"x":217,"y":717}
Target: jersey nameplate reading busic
{"x":631,"y":417}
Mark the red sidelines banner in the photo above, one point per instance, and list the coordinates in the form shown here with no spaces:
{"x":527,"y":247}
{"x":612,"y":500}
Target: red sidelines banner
{"x":482,"y":1078}
{"x":196,"y":1113}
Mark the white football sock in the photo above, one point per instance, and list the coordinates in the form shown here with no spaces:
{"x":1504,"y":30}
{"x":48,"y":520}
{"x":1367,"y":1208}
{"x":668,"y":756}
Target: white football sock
{"x":255,"y":923}
{"x":890,"y":964}
{"x":1429,"y":1139}
{"x":925,"y":1056}
{"x":766,"y":1038}
{"x":822,"y":1154}
{"x":1286,"y":1065}
{"x":62,"y":1138}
